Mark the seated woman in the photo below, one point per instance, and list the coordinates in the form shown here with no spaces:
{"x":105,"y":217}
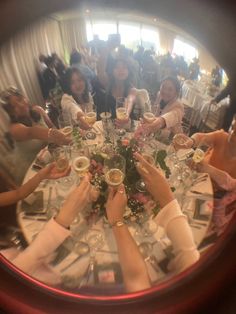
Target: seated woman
{"x":170,"y":218}
{"x":29,"y":128}
{"x":169,"y":110}
{"x":222,"y":151}
{"x":116,"y":77}
{"x":33,"y":259}
{"x":76,"y":99}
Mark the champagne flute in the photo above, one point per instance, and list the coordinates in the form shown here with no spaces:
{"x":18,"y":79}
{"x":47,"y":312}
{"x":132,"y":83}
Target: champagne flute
{"x":81,"y":165}
{"x":149,"y":154}
{"x":148,"y":117}
{"x":60,"y":156}
{"x":114,"y":169}
{"x":90,"y":118}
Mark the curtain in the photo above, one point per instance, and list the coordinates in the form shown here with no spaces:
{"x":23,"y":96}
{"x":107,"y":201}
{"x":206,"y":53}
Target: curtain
{"x":166,"y":40}
{"x":73,"y":34}
{"x":19,"y":57}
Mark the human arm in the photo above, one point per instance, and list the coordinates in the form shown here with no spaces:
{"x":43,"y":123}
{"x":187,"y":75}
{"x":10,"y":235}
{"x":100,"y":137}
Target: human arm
{"x":54,"y":232}
{"x":132,"y":264}
{"x":12,"y":197}
{"x":170,"y":217}
{"x":70,"y":107}
{"x":222,"y":178}
{"x":167,"y":120}
{"x":45,"y":116}
{"x":21,"y":132}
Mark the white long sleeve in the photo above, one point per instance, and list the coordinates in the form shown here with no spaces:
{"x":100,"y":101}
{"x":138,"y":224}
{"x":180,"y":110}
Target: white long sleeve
{"x":44,"y":244}
{"x":70,"y":108}
{"x":178,"y":231}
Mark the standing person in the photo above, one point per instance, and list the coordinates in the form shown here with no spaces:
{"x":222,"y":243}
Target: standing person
{"x":230,"y":91}
{"x":95,"y":45}
{"x":50,"y":76}
{"x":58,"y":64}
{"x":216,"y":75}
{"x":194,"y":69}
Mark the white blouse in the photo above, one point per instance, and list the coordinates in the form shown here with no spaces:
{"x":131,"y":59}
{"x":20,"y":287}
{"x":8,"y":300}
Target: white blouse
{"x":172,"y":113}
{"x":33,"y":259}
{"x":70,"y":108}
{"x":179,"y":232}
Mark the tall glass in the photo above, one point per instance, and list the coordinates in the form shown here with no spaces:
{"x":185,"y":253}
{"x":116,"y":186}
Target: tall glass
{"x":114,"y":169}
{"x":91,"y":117}
{"x":121,"y":109}
{"x":60,"y":155}
{"x":81,"y":165}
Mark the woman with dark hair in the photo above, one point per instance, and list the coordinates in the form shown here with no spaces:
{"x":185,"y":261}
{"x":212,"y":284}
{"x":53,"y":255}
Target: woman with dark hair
{"x":169,"y":110}
{"x":30,"y":127}
{"x":116,"y":78}
{"x":76,"y":99}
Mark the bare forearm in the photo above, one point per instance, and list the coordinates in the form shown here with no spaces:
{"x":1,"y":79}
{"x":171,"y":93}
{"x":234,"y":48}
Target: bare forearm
{"x":132,"y":264}
{"x":22,"y":192}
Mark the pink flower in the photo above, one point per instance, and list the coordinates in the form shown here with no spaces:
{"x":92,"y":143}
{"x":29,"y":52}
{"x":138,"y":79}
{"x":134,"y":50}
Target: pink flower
{"x":141,"y":198}
{"x":125,"y":142}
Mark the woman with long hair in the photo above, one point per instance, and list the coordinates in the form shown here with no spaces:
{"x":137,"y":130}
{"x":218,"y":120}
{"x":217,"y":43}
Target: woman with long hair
{"x":30,"y":127}
{"x":169,"y":110}
{"x":76,"y":99}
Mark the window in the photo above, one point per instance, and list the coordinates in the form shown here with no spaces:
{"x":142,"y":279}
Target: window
{"x":184,"y":49}
{"x":150,"y":38}
{"x":130,"y":34}
{"x":101,"y":28}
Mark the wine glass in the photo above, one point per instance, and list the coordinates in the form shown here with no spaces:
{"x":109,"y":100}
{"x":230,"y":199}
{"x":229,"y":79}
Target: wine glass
{"x":148,"y":117}
{"x":81,"y":165}
{"x":60,"y":155}
{"x":65,"y":125}
{"x":114,"y":169}
{"x":91,"y":117}
{"x":122,"y":116}
{"x":149,"y":154}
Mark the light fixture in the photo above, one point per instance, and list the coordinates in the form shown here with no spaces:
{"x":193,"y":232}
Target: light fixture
{"x":87,"y":11}
{"x":154,"y":19}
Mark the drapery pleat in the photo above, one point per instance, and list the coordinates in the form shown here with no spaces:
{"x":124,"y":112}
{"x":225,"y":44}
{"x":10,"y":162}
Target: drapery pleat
{"x":73,"y":34}
{"x":19,"y":57}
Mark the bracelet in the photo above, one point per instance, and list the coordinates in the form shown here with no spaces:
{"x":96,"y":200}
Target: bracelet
{"x":118,"y":223}
{"x":49,"y":134}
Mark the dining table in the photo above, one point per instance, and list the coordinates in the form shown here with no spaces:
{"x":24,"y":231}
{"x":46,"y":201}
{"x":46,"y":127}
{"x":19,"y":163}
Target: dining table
{"x":196,"y":203}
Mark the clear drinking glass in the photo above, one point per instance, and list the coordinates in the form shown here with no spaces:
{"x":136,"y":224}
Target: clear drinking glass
{"x":60,"y":155}
{"x":91,"y":117}
{"x":114,"y":169}
{"x":121,"y":109}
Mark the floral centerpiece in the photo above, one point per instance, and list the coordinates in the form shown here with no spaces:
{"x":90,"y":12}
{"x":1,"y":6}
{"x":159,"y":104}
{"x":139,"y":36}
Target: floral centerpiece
{"x":138,"y":202}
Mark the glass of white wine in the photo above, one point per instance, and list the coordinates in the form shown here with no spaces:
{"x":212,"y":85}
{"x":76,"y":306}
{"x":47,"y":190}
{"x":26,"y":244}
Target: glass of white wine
{"x":90,"y":118}
{"x":114,"y":169}
{"x":121,"y":109}
{"x":62,"y":164}
{"x":148,"y":117}
{"x":81,"y":165}
{"x":148,"y":152}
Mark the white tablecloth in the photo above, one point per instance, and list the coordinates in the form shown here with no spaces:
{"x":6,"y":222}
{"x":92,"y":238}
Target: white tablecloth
{"x":108,"y":254}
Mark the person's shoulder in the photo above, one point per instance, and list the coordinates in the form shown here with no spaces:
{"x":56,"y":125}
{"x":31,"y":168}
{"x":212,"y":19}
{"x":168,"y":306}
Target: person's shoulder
{"x":220,"y":135}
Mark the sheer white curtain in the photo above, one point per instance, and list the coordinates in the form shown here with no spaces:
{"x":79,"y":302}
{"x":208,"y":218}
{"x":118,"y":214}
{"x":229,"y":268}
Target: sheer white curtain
{"x":73,"y":34}
{"x":19,"y":57}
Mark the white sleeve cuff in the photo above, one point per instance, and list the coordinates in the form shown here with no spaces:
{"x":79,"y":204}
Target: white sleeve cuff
{"x":171,"y":211}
